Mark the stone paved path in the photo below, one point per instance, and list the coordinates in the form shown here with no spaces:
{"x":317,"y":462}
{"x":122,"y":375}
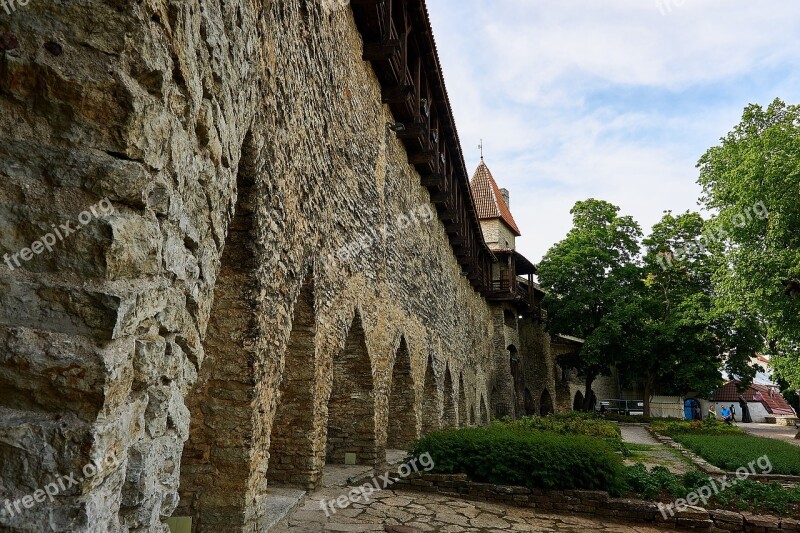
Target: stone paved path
{"x":636,"y":434}
{"x":433,"y":512}
{"x":650,"y":452}
{"x":772,"y":431}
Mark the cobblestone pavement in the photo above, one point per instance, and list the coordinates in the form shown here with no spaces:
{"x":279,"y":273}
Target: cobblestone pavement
{"x":772,"y":431}
{"x":433,"y":512}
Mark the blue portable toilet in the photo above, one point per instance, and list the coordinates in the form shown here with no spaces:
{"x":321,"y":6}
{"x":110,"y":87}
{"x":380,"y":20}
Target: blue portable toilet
{"x":689,"y":407}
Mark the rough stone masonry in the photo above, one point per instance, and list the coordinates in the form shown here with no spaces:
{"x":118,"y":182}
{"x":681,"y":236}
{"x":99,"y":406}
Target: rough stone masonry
{"x":195,"y":333}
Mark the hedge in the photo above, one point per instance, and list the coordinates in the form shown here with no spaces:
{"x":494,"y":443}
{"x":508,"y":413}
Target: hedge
{"x":507,"y":455}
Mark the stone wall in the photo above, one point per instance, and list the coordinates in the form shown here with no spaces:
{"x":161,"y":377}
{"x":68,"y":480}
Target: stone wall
{"x":540,"y":395}
{"x":244,"y":149}
{"x":497,"y":234}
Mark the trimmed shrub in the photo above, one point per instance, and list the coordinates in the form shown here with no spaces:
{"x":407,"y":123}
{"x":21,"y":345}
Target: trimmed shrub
{"x":634,"y":419}
{"x":574,"y":423}
{"x":535,"y":459}
{"x":708,"y":426}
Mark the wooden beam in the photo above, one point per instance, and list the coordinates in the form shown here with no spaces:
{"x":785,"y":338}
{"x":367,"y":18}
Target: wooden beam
{"x":423,"y":157}
{"x":440,"y":198}
{"x":380,"y":51}
{"x":415,"y":132}
{"x":454,"y":228}
{"x":432,"y":180}
{"x":399,"y":94}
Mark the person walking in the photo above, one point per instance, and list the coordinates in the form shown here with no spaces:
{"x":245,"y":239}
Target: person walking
{"x":745,"y":410}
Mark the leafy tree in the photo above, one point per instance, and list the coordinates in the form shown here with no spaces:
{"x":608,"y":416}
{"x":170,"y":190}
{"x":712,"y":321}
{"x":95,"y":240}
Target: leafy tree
{"x":752,"y":181}
{"x":589,"y":277}
{"x":681,"y":341}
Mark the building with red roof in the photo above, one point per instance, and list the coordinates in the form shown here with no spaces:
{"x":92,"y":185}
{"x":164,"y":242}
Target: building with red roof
{"x":764,"y":401}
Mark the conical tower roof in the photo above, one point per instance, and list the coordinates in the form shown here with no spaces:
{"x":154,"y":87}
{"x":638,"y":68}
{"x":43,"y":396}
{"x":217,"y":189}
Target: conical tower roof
{"x":489,"y":202}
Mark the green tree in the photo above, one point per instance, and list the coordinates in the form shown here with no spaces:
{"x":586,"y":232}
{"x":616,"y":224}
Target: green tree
{"x":589,"y":277}
{"x":752,"y":181}
{"x":682,"y":342}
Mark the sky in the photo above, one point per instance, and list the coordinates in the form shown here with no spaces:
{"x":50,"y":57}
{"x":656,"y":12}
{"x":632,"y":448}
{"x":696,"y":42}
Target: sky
{"x":608,"y":99}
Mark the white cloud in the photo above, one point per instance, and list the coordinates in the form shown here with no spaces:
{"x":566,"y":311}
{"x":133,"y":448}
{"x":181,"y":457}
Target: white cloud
{"x":609,"y":99}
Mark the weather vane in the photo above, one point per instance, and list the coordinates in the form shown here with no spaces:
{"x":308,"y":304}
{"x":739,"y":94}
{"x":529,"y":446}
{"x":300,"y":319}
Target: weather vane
{"x":480,"y":147}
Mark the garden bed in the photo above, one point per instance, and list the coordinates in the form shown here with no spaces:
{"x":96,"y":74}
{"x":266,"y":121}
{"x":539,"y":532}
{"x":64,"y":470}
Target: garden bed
{"x":558,"y":454}
{"x":730,"y":452}
{"x":512,"y":455}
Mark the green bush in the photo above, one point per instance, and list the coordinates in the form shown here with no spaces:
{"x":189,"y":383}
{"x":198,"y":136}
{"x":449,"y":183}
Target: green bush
{"x":733,"y":451}
{"x":749,"y":495}
{"x":708,"y":426}
{"x":633,"y":419}
{"x":650,"y":485}
{"x":574,"y":423}
{"x":660,"y":484}
{"x":515,"y":456}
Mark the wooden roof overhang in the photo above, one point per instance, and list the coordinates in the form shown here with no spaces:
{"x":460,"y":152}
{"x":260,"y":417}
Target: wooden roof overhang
{"x":398,"y":42}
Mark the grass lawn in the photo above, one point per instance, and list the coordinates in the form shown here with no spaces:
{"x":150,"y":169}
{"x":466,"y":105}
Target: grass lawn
{"x":733,"y":451}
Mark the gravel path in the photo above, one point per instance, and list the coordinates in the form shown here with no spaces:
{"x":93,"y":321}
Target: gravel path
{"x":656,"y":453}
{"x":772,"y":431}
{"x":636,"y":434}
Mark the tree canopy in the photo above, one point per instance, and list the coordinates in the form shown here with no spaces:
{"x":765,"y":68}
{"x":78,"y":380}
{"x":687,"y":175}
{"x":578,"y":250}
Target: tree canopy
{"x":588,"y":277}
{"x":752,"y":182}
{"x":696,"y":296}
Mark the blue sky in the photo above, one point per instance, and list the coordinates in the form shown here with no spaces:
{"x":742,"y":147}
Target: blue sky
{"x":611,"y":99}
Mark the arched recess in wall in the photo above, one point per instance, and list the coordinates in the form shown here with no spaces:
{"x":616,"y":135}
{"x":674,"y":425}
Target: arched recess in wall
{"x":462,"y":402}
{"x":449,"y":415}
{"x":516,"y":372}
{"x":291,"y":449}
{"x":501,"y":408}
{"x":484,"y":414}
{"x":402,"y":428}
{"x":223,"y":430}
{"x":472,"y":414}
{"x":577,"y":405}
{"x":431,"y":417}
{"x":351,"y":407}
{"x":546,"y":404}
{"x":530,"y":404}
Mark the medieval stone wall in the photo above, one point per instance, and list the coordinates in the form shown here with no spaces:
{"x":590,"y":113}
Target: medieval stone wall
{"x":244,"y":150}
{"x":496,"y":233}
{"x":540,"y":395}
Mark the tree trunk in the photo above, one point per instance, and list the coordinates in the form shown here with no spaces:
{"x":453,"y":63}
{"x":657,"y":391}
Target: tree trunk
{"x":587,"y":398}
{"x":648,"y":391}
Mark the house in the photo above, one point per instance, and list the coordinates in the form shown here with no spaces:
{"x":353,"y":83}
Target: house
{"x":765,"y":402}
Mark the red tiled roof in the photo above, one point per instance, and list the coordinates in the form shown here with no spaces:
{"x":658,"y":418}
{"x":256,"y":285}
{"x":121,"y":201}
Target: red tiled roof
{"x":775,"y":404}
{"x":488,"y":201}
